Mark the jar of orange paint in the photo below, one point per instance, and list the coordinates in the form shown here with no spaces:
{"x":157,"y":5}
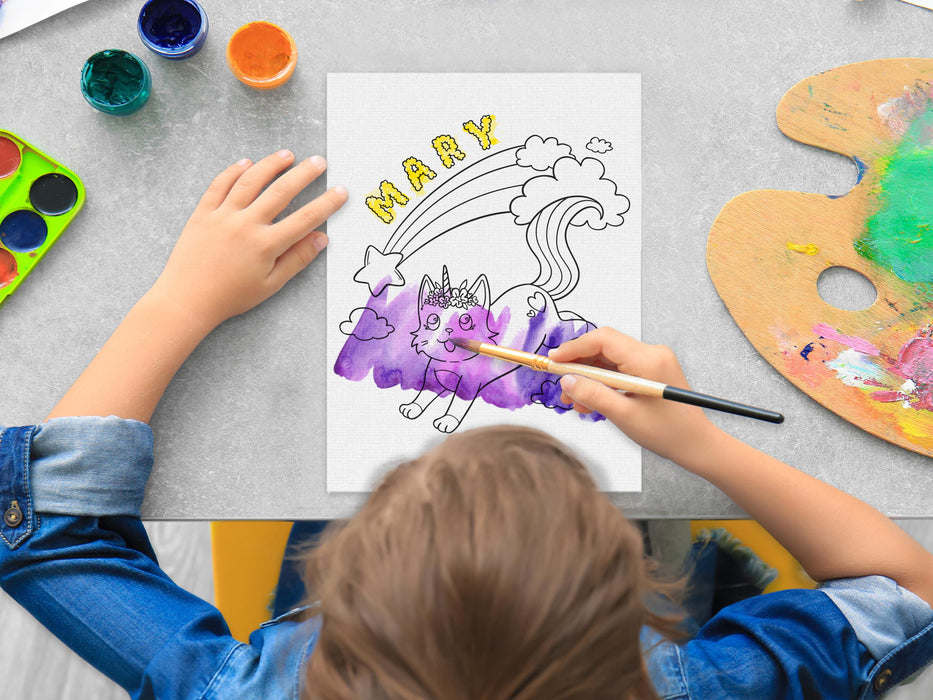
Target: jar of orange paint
{"x":262,"y":55}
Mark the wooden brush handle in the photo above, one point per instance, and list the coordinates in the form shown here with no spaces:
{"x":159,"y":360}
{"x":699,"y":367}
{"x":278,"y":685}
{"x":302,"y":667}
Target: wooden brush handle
{"x":616,"y":380}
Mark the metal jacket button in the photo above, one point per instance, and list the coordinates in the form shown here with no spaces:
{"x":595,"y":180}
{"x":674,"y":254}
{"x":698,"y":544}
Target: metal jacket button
{"x":13,"y":515}
{"x":882,"y":679}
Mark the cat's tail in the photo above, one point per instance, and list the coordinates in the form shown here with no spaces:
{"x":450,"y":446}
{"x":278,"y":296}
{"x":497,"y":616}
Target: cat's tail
{"x":558,"y":271}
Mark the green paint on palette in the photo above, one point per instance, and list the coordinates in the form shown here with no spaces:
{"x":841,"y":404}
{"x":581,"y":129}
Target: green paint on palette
{"x":899,"y":235}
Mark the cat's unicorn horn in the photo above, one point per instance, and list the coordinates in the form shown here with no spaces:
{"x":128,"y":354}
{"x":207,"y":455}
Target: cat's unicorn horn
{"x":445,"y":281}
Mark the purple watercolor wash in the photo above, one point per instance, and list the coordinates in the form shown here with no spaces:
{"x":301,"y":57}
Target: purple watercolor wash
{"x":440,"y":369}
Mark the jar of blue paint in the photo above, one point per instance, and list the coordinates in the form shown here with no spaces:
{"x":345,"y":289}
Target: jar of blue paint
{"x":174,"y":29}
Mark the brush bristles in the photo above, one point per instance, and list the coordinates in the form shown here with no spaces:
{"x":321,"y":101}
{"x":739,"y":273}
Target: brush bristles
{"x":466,"y":344}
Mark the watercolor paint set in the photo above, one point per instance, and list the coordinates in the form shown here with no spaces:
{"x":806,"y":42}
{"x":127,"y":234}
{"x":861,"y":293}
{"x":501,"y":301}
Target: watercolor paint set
{"x":38,"y":199}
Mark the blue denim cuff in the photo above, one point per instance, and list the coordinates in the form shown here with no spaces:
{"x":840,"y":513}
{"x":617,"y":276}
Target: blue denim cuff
{"x":883,"y":614}
{"x":90,"y":466}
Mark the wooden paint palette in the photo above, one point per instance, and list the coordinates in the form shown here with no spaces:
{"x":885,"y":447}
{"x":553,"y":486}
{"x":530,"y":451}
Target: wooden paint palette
{"x":38,"y":199}
{"x":766,"y":249}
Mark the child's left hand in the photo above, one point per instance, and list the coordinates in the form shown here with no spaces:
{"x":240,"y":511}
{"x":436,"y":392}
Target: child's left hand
{"x":230,"y":256}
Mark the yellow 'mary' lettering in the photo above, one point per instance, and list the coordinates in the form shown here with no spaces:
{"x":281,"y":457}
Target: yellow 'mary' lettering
{"x":417,"y":173}
{"x":483,"y":132}
{"x":381,"y":204}
{"x":447,"y":149}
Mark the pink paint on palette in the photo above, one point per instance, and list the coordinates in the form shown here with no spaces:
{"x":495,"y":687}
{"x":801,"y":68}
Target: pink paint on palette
{"x":830,"y":333}
{"x":907,"y":379}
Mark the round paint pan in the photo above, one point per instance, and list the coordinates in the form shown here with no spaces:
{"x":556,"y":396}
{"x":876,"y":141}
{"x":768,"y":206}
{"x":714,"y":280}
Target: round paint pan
{"x":115,"y":82}
{"x":262,"y":55}
{"x":53,"y":194}
{"x":173,"y":29}
{"x":23,"y":230}
{"x":10,"y":157}
{"x":8,"y":269}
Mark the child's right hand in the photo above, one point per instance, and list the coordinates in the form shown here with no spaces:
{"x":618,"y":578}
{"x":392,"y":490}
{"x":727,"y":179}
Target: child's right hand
{"x":668,"y":428}
{"x":831,"y":534}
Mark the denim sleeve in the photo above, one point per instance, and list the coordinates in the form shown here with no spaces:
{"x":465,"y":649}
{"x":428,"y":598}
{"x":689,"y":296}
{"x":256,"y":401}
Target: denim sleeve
{"x":793,"y":644}
{"x":76,"y":557}
{"x":90,"y":466}
{"x":883,"y":614}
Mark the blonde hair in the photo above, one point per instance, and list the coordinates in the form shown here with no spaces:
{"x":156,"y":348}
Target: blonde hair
{"x":490,"y":568}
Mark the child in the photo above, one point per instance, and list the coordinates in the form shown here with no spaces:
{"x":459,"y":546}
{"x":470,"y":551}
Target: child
{"x":488,"y":568}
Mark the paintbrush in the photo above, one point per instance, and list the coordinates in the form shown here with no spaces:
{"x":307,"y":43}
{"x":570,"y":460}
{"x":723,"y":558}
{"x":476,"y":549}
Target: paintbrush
{"x":616,"y":380}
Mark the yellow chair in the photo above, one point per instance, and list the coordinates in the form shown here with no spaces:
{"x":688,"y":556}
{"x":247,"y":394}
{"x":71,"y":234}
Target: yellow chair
{"x":247,"y":558}
{"x":757,"y":539}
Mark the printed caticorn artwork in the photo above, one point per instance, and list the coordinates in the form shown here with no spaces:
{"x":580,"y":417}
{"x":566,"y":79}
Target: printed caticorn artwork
{"x":407,"y":341}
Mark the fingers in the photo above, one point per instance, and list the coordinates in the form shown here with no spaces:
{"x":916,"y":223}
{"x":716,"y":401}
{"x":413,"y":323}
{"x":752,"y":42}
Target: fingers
{"x":578,"y":407}
{"x":603,"y":343}
{"x":622,"y":353}
{"x":299,"y":224}
{"x":588,"y":395}
{"x":251,"y":182}
{"x":280,"y":193}
{"x":297,"y":258}
{"x":218,"y":190}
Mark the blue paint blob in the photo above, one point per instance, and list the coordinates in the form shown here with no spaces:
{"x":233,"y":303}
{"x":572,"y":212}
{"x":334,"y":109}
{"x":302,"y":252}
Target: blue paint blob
{"x":805,"y":353}
{"x":174,"y":29}
{"x":860,"y":168}
{"x":23,"y":230}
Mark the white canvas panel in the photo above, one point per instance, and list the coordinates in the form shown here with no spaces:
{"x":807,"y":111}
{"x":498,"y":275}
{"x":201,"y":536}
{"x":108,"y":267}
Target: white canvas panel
{"x":504,"y":208}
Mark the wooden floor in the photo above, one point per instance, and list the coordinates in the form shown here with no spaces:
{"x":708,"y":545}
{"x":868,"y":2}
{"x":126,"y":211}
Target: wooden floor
{"x":36,"y":666}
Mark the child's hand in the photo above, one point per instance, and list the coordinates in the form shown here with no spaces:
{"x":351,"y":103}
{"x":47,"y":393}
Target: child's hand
{"x":668,"y":428}
{"x":230,"y":256}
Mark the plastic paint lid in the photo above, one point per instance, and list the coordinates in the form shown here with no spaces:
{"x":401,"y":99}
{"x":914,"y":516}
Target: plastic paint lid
{"x":115,"y":82}
{"x":53,"y":194}
{"x":262,"y":55}
{"x":23,"y":230}
{"x":174,"y":29}
{"x":10,"y":157}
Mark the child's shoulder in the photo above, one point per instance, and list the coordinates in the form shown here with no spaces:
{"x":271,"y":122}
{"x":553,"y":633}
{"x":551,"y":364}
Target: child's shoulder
{"x":825,"y":642}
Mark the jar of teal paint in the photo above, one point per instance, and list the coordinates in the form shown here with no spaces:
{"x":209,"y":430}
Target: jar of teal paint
{"x":116,"y":82}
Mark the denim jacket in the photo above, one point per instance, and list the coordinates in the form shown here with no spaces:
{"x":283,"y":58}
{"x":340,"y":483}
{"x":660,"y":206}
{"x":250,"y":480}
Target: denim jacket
{"x":75,"y":555}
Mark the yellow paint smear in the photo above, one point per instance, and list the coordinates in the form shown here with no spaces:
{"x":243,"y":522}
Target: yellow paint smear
{"x":809,"y":248}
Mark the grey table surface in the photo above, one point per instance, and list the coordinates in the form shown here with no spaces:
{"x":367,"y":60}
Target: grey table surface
{"x":240,"y":432}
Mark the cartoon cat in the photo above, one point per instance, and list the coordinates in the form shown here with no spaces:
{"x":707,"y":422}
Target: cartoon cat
{"x":524,"y":317}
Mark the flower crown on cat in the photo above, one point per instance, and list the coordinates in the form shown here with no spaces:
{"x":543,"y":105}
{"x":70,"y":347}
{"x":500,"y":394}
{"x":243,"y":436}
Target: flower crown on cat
{"x":459,"y":298}
{"x":444,"y":296}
